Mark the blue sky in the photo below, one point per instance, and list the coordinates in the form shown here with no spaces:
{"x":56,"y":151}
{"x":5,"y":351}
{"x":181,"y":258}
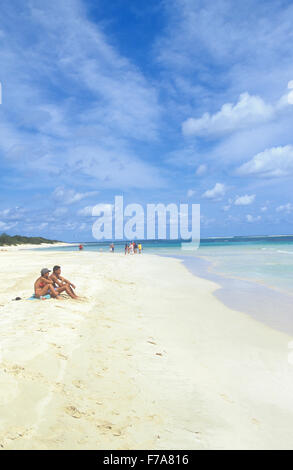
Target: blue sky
{"x":158,"y":101}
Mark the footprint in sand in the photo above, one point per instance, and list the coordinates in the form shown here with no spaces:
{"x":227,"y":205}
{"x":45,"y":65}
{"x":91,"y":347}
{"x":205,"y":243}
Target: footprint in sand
{"x":74,"y":412}
{"x":226,"y":398}
{"x":78,"y":383}
{"x":13,"y":434}
{"x":62,"y":356}
{"x":14,"y":369}
{"x":99,"y":375}
{"x":55,"y":345}
{"x":109,"y":427}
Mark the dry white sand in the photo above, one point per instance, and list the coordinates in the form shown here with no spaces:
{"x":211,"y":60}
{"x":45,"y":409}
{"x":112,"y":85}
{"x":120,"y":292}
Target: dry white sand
{"x":147,"y":358}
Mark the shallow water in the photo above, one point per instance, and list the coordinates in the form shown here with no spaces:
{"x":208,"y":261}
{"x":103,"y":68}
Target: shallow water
{"x":270,"y":306}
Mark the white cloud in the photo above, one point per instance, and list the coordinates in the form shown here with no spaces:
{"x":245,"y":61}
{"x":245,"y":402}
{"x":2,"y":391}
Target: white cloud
{"x":244,"y":200}
{"x":190,"y":193}
{"x":288,"y":97}
{"x":217,"y":192}
{"x":7,"y":226}
{"x":227,"y":207}
{"x":86,"y":211}
{"x":60,"y":211}
{"x":264,"y":209}
{"x":207,"y":221}
{"x":250,"y":218}
{"x":248,"y":111}
{"x":272,"y":162}
{"x":83,"y":226}
{"x":14,"y":213}
{"x":70,"y":196}
{"x":285,"y":208}
{"x":201,"y":170}
{"x":86,"y":101}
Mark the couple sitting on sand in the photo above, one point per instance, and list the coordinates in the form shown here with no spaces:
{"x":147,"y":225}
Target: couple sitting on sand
{"x":53,"y":284}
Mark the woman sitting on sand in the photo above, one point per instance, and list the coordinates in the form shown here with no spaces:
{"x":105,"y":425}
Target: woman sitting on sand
{"x":44,"y":285}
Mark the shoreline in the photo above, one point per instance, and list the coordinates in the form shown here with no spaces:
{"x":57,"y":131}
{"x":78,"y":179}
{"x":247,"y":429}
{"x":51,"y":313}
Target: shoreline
{"x":250,"y":297}
{"x":30,"y":246}
{"x":148,"y":358}
{"x":254,"y":296}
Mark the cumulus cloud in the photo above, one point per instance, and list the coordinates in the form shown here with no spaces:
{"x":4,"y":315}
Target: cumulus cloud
{"x":190,"y":193}
{"x":244,"y":200}
{"x":201,"y":170}
{"x":272,"y":162}
{"x":248,"y":111}
{"x":285,"y":208}
{"x":250,"y":218}
{"x":217,"y":192}
{"x":288,"y":97}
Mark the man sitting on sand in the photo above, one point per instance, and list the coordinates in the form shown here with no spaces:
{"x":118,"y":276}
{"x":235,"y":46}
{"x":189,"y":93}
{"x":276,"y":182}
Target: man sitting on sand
{"x":44,"y":285}
{"x":61,"y":284}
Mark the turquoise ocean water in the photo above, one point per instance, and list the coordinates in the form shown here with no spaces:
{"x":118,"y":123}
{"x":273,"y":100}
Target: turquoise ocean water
{"x":255,"y":274}
{"x":267,"y":260}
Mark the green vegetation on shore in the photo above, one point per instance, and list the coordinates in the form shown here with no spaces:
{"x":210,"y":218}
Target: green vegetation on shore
{"x":19,"y":240}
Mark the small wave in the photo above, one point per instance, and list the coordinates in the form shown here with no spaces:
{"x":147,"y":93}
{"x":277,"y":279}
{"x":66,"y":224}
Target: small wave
{"x":285,"y":252}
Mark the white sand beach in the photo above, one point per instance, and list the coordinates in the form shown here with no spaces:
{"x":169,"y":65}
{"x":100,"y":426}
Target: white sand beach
{"x":147,"y":358}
